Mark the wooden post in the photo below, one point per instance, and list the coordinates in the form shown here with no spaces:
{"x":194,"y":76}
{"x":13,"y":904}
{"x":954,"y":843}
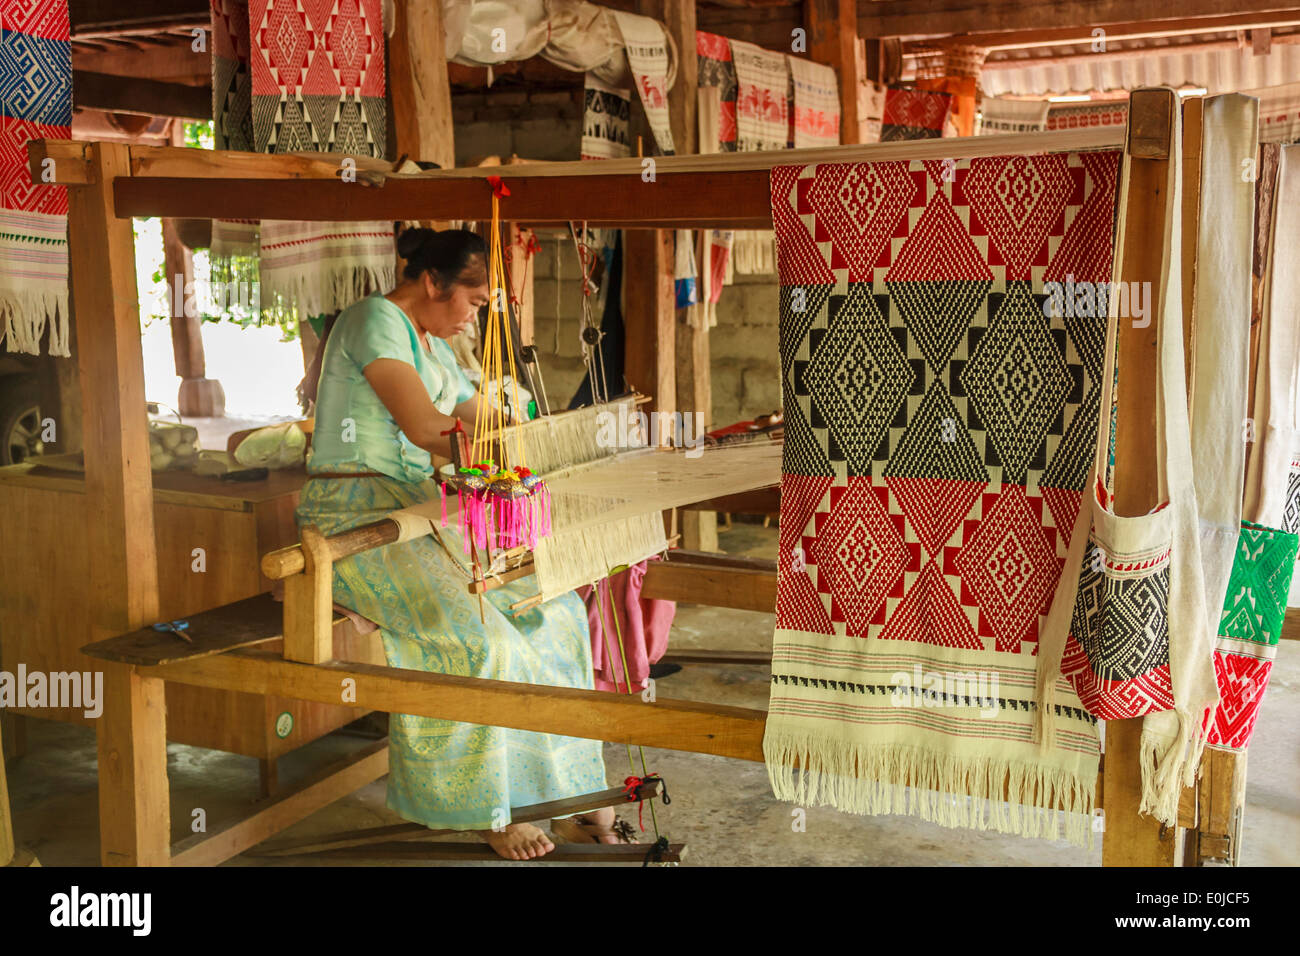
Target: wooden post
{"x":649,"y":316}
{"x":308,"y":604}
{"x":198,"y":395}
{"x":1130,"y":838}
{"x":832,"y":27}
{"x":134,"y":823}
{"x":420,"y":90}
{"x":693,"y":372}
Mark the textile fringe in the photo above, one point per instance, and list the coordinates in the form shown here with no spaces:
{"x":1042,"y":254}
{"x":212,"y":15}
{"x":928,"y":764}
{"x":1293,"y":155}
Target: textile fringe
{"x":27,"y":312}
{"x":872,"y":779}
{"x":753,"y":252}
{"x":285,"y":293}
{"x":1169,"y":765}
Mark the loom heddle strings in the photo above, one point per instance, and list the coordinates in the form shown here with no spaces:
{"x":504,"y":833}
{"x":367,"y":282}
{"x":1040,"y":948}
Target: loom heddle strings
{"x":590,"y":334}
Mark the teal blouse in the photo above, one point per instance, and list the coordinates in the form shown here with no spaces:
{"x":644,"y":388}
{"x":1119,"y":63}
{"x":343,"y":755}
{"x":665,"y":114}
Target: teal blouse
{"x":353,"y":427}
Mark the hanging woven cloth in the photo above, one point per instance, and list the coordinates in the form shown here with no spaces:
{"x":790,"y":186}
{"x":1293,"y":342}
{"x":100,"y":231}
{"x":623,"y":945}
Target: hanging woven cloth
{"x":1130,"y":629}
{"x":605,"y":114}
{"x":1273,"y":465}
{"x":938,"y":428}
{"x":1219,"y":322}
{"x":648,"y":57}
{"x":233,"y":254}
{"x":762,"y":122}
{"x":913,"y":114}
{"x":35,"y":103}
{"x":815,"y":109}
{"x":318,"y":86}
{"x":999,"y":117}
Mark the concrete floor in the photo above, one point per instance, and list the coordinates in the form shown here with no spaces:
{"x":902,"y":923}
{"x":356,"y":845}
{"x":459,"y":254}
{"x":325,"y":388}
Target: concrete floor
{"x":722,"y":808}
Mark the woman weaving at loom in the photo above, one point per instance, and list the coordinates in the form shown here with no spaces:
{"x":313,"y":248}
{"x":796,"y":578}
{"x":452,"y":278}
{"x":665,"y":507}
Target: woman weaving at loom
{"x":389,"y":393}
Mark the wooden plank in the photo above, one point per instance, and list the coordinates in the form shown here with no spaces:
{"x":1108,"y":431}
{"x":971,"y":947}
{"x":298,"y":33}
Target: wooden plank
{"x":632,"y":853}
{"x":551,"y":810}
{"x":719,"y":560}
{"x":123,"y":581}
{"x":649,"y":317}
{"x":241,"y":624}
{"x":1132,"y":839}
{"x":705,"y":656}
{"x":1291,"y":625}
{"x":419,"y":87}
{"x":760,"y":501}
{"x":740,"y":200}
{"x":272,"y":815}
{"x":833,"y":39}
{"x":134,"y":795}
{"x":131,"y":94}
{"x":674,"y":725}
{"x":743,"y":590}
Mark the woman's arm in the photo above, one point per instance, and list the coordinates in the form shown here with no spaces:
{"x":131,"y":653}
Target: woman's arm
{"x":401,"y":390}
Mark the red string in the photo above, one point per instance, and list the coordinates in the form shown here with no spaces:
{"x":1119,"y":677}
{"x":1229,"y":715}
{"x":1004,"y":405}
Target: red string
{"x":499,"y":188}
{"x":631,"y":786}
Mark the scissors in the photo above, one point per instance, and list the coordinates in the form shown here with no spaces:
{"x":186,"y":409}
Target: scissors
{"x":176,"y":627}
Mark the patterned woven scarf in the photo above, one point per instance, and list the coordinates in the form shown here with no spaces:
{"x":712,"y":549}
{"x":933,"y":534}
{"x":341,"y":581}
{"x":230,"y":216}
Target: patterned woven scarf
{"x":1249,"y":629}
{"x":647,"y":57}
{"x":605,"y":115}
{"x":717,"y":71}
{"x":999,"y":117}
{"x":317,"y":85}
{"x":913,"y":114}
{"x":816,"y":106}
{"x":233,"y":254}
{"x":762,"y":122}
{"x":718,"y":85}
{"x":938,"y":438}
{"x":318,"y":76}
{"x":35,"y":103}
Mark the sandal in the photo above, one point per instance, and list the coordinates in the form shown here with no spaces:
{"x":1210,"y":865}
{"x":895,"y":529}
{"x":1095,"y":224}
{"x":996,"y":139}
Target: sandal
{"x":571,"y":830}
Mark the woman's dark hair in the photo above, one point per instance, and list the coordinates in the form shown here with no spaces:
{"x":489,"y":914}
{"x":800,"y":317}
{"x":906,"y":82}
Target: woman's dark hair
{"x":450,"y":255}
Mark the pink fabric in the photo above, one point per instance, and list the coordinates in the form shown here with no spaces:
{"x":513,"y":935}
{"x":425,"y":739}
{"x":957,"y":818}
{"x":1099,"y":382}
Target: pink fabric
{"x":644,"y":624}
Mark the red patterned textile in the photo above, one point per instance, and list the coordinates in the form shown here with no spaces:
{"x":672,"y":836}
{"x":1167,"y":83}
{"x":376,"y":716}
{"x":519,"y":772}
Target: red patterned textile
{"x":939,"y":433}
{"x":318,"y":76}
{"x":913,"y":114}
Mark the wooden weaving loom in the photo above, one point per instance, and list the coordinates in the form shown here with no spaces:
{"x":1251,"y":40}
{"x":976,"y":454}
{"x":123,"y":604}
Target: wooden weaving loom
{"x":109,"y":183}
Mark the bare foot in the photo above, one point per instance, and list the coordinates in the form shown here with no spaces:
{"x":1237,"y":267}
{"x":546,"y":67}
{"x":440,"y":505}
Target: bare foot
{"x":519,"y":841}
{"x":604,"y":818}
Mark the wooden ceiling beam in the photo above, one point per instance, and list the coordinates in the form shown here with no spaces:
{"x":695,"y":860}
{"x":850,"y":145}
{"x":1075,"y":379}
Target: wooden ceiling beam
{"x":946,"y":18}
{"x":133,"y":94}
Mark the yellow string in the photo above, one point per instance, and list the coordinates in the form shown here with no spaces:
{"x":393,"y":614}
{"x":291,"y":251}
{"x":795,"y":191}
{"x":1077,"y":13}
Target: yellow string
{"x":497,"y":339}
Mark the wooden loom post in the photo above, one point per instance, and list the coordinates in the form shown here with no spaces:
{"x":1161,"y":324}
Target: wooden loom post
{"x":832,"y":27}
{"x":134,"y":812}
{"x":309,"y":602}
{"x":1132,"y":839}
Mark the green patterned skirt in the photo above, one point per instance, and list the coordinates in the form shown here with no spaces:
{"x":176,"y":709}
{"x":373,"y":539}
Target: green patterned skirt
{"x":442,"y":773}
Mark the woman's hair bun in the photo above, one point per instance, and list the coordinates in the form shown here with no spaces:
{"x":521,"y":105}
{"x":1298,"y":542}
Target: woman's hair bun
{"x":451,"y":255}
{"x":411,"y":241}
